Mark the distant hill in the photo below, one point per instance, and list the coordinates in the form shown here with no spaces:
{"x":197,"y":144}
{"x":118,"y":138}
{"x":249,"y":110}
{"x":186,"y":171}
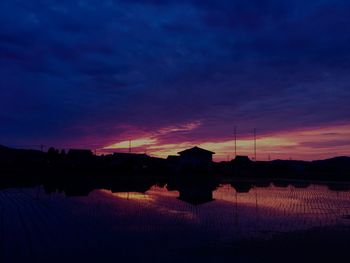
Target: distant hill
{"x":338,"y":165}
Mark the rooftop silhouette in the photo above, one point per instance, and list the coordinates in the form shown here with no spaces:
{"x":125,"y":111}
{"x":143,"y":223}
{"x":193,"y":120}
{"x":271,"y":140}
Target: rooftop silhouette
{"x":191,"y":161}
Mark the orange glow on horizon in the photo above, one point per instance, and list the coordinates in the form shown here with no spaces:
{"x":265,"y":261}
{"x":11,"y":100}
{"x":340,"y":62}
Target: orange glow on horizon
{"x":308,"y":144}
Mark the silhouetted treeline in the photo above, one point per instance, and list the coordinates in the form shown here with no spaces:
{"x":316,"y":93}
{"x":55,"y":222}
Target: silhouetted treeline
{"x":54,"y":162}
{"x":337,"y":168}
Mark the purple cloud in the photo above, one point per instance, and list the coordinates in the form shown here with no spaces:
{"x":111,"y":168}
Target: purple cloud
{"x":81,"y":71}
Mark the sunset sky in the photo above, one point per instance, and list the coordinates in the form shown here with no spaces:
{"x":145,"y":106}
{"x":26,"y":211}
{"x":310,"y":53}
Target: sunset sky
{"x":171,"y":74}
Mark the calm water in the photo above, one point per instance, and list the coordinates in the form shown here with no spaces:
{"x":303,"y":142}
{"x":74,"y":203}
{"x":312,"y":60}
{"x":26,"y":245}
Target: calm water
{"x":156,"y":225}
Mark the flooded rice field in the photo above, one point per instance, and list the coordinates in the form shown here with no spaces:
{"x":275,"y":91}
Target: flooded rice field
{"x":159,"y":224}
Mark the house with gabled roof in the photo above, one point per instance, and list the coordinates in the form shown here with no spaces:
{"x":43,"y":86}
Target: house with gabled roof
{"x":196,"y":157}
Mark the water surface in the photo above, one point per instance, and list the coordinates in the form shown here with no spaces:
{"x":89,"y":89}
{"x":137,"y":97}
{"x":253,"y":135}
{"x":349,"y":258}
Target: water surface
{"x":158,"y":223}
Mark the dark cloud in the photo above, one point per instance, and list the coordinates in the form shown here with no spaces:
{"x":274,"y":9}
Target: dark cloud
{"x":74,"y":70}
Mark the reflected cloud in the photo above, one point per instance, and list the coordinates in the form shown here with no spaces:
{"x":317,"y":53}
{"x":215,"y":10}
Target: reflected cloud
{"x":129,"y":195}
{"x":159,"y":199}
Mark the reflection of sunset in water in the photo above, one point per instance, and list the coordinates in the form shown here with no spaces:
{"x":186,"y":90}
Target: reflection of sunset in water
{"x":151,"y":194}
{"x":159,"y":199}
{"x":250,"y":213}
{"x":288,"y":199}
{"x":158,"y":218}
{"x":129,"y":195}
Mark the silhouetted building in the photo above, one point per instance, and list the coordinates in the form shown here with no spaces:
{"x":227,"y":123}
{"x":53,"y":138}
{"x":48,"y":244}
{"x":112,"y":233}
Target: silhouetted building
{"x":300,"y":184}
{"x":18,"y":157}
{"x":196,"y":195}
{"x":53,"y":154}
{"x":194,"y":190}
{"x":130,"y":156}
{"x":242,"y":165}
{"x":131,"y":186}
{"x":78,"y":190}
{"x":7,"y":155}
{"x":280,"y":183}
{"x":242,"y":187}
{"x":196,"y":157}
{"x":134,"y":160}
{"x":173,"y":158}
{"x":241,"y":159}
{"x":79,"y":153}
{"x":173,"y":162}
{"x":131,"y":162}
{"x":80,"y":156}
{"x":339,"y":187}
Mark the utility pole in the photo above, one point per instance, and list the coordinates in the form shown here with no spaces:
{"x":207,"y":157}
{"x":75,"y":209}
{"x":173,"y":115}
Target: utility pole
{"x":42,"y":147}
{"x":235,"y":131}
{"x":254,"y":144}
{"x":129,"y":146}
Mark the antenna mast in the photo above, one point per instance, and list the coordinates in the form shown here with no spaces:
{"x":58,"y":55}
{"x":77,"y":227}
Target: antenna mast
{"x":42,"y":146}
{"x":255,"y":144}
{"x":235,"y":131}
